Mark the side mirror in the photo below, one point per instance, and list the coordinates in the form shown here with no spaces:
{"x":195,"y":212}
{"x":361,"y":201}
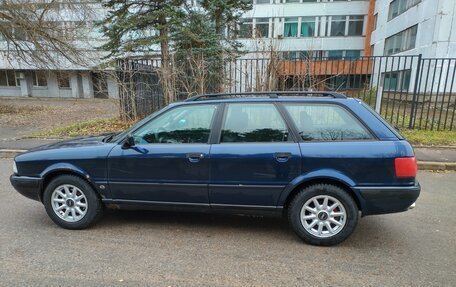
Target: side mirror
{"x":129,"y":142}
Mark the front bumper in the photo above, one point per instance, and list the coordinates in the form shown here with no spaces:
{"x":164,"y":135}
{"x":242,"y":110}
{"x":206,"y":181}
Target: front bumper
{"x":381,"y":200}
{"x":27,"y":186}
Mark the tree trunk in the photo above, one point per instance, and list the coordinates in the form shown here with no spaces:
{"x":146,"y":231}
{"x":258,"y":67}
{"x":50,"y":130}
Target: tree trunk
{"x":219,"y":85}
{"x":166,"y":69}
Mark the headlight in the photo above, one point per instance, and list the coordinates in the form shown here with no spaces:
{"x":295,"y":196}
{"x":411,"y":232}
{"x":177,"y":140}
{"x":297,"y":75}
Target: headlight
{"x":14,"y":167}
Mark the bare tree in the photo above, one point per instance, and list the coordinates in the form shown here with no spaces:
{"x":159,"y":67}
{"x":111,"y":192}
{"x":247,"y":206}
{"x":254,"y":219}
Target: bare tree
{"x":46,"y":33}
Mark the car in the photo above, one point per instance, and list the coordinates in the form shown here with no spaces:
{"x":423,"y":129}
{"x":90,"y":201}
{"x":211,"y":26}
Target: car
{"x":320,"y":158}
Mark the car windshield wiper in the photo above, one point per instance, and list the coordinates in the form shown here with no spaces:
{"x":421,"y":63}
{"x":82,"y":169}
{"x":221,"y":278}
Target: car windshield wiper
{"x":108,"y":138}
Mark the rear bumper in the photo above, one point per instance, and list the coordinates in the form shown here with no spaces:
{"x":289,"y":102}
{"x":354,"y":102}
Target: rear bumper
{"x":27,"y":186}
{"x":381,"y":200}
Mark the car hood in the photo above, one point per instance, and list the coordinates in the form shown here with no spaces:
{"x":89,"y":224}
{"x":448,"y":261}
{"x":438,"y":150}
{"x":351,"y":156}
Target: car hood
{"x":77,"y":142}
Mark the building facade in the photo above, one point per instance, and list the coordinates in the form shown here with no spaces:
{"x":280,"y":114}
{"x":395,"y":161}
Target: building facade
{"x":412,"y":27}
{"x":337,"y":35}
{"x":301,"y":28}
{"x":64,"y":79}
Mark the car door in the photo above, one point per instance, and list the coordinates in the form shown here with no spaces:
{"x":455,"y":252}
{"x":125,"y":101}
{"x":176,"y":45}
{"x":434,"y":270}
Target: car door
{"x":169,"y":161}
{"x":334,"y":139}
{"x":255,"y":158}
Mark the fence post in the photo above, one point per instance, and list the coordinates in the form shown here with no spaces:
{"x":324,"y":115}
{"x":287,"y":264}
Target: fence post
{"x":415,"y":92}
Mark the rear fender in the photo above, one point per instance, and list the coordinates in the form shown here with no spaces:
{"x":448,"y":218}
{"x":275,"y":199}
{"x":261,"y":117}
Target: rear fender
{"x":319,"y":175}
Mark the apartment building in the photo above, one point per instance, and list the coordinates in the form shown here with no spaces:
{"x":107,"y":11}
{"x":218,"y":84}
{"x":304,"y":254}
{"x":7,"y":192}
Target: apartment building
{"x":403,"y":28}
{"x":300,"y":28}
{"x":412,"y":27}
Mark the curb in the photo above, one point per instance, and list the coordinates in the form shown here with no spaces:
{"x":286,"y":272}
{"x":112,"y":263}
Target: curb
{"x":10,"y":153}
{"x":422,"y":165}
{"x":434,"y":146}
{"x":434,"y":165}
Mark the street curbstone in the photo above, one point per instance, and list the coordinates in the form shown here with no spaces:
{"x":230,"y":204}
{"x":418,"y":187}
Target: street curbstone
{"x":438,"y":166}
{"x":10,"y":153}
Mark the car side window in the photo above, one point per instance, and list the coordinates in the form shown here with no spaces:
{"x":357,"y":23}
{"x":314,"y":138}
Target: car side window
{"x":326,"y":122}
{"x":253,"y":122}
{"x":185,"y":124}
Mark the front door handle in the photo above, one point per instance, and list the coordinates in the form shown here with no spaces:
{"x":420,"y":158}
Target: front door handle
{"x":195,"y":156}
{"x":282,"y":156}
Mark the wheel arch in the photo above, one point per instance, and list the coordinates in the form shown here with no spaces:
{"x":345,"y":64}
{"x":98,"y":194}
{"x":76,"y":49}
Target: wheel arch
{"x":322,"y":177}
{"x":59,"y":169}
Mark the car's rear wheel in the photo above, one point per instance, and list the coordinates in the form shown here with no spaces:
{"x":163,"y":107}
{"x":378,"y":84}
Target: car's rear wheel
{"x":323,"y":214}
{"x":71,"y":202}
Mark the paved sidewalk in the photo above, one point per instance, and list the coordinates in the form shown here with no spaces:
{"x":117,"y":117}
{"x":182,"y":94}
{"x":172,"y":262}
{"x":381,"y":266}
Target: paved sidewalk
{"x":436,"y":154}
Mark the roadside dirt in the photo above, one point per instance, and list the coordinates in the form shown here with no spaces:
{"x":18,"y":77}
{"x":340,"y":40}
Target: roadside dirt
{"x":36,"y":114}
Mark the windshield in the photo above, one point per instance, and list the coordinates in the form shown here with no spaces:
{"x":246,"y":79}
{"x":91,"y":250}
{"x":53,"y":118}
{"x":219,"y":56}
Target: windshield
{"x":117,"y":136}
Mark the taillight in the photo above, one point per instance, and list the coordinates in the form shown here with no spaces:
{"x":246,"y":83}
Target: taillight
{"x":405,"y":166}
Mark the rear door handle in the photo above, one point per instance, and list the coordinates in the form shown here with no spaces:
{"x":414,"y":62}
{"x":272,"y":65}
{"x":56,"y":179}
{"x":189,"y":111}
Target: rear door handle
{"x":195,"y":156}
{"x":282,"y":156}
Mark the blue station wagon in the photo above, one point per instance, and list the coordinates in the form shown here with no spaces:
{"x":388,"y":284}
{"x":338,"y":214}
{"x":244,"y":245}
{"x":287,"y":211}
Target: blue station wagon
{"x":319,"y":158}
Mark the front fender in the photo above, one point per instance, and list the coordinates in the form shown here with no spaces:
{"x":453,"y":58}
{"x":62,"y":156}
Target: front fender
{"x":321,"y":174}
{"x":64,"y":167}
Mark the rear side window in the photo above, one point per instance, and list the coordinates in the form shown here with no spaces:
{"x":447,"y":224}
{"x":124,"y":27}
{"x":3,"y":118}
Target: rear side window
{"x":326,"y":122}
{"x":253,"y":122}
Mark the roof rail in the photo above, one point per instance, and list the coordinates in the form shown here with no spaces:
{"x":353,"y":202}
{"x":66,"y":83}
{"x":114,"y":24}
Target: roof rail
{"x":270,"y":94}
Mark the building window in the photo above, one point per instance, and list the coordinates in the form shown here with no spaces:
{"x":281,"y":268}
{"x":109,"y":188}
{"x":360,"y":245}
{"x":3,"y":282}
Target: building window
{"x":246,"y":28}
{"x":307,"y":26}
{"x":375,"y":21}
{"x":344,"y":54}
{"x":401,"y":41}
{"x":352,"y":54}
{"x":261,"y":27}
{"x":319,"y":54}
{"x":355,"y":25}
{"x":262,"y":2}
{"x":396,"y":81}
{"x":291,"y":27}
{"x":338,"y":26}
{"x":8,"y":78}
{"x":39,"y":79}
{"x":335,"y":54}
{"x":346,"y":26}
{"x":397,"y":7}
{"x":64,"y":80}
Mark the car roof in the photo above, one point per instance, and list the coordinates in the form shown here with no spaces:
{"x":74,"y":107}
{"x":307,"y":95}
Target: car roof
{"x":266,"y":95}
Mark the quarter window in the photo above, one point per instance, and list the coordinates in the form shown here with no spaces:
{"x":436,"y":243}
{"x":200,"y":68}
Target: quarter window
{"x":187,"y":124}
{"x":253,"y":123}
{"x":325,"y":122}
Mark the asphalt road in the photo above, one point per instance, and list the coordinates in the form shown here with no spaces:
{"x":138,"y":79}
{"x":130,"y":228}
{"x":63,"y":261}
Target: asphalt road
{"x":415,"y":248}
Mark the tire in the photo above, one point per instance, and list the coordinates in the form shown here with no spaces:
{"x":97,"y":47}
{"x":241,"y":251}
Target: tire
{"x":72,"y":193}
{"x":307,"y":212}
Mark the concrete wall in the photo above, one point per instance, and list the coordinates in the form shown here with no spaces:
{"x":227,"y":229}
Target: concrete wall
{"x":436,"y":35}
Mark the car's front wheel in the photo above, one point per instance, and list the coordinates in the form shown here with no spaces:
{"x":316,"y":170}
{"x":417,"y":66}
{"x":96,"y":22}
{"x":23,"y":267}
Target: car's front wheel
{"x":323,"y":214}
{"x":71,"y":202}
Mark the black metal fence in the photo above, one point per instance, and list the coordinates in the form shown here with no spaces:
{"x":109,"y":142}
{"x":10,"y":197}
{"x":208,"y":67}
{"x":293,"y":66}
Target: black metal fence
{"x":140,"y":92}
{"x":408,"y":91}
